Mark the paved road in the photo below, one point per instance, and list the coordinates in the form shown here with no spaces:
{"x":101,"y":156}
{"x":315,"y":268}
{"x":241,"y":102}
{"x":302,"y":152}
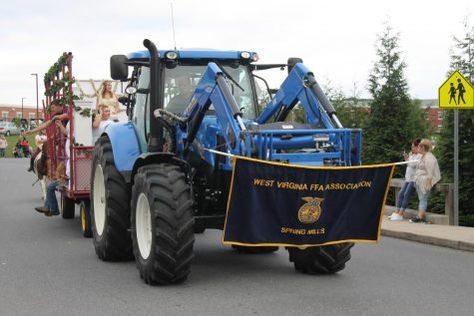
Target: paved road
{"x":46,"y":268}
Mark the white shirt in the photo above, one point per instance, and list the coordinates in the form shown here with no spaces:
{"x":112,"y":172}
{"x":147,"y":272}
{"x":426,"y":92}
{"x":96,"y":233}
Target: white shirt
{"x":39,"y":140}
{"x":96,"y":132}
{"x":427,"y":172}
{"x":411,"y":167}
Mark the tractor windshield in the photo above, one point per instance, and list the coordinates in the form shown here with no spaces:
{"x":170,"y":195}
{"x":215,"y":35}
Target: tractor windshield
{"x":181,"y":81}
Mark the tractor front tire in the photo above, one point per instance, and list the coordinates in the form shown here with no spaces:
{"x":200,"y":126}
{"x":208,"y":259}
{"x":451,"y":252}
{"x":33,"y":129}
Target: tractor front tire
{"x":110,"y":206}
{"x":254,"y":250}
{"x":162,"y":224}
{"x":321,"y":260}
{"x":85,"y":214}
{"x":68,"y":207}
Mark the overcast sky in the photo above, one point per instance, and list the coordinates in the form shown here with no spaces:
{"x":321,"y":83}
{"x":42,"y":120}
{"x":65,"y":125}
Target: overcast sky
{"x":336,"y":39}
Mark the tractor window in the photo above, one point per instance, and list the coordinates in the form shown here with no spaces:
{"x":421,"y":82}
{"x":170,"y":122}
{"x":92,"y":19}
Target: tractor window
{"x":182,"y":80}
{"x":180,"y":84}
{"x":141,"y":111}
{"x":242,"y":94}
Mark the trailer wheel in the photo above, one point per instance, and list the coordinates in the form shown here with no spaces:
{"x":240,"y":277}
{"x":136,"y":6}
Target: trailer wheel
{"x":85,"y":218}
{"x":68,"y":207}
{"x":162,"y":224}
{"x":321,"y":260}
{"x":110,"y":207}
{"x":254,"y":250}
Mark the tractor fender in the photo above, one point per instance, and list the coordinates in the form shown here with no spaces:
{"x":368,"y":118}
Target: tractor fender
{"x":155,"y":158}
{"x":125,"y":146}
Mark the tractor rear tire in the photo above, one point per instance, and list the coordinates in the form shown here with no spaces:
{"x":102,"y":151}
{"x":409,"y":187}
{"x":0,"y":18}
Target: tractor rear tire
{"x":85,"y":214}
{"x":68,"y":207}
{"x":162,"y":224}
{"x":321,"y":260}
{"x":110,"y":206}
{"x":254,"y":250}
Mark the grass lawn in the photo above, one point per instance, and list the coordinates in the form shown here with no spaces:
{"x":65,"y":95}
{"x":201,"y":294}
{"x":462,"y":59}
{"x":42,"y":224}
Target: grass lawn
{"x":12,"y":142}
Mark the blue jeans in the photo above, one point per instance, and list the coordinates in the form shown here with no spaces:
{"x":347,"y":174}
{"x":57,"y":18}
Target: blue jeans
{"x":2,"y":152}
{"x":404,"y":195}
{"x":51,"y":202}
{"x":423,"y":197}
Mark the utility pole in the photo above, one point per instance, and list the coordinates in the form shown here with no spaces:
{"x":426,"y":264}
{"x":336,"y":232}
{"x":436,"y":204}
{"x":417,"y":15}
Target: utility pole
{"x":37,"y":107}
{"x":22,"y":107}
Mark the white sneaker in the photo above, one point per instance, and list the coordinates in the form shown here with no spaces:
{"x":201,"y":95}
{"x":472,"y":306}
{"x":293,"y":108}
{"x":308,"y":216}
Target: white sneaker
{"x":396,"y":217}
{"x":391,"y":215}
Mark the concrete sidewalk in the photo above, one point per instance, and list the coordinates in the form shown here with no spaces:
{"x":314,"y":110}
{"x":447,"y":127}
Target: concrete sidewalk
{"x":456,"y":237}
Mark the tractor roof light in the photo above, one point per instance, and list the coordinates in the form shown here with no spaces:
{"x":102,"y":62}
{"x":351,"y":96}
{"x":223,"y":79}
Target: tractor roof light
{"x":171,"y":55}
{"x":245,"y":55}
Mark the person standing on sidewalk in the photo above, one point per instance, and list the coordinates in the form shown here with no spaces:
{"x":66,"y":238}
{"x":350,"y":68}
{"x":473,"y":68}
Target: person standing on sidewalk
{"x":405,"y":193}
{"x":3,"y":145}
{"x":426,"y":176}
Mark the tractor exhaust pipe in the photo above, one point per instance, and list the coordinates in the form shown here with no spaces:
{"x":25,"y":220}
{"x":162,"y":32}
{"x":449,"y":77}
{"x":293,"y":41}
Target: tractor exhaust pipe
{"x":155,"y":140}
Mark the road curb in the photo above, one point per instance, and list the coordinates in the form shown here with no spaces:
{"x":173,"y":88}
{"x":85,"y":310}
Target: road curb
{"x":443,"y":242}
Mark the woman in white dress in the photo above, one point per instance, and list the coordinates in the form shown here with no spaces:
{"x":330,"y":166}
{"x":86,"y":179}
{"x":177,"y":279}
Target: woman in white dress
{"x":107,"y":97}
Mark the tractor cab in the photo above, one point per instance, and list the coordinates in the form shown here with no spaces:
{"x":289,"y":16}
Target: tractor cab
{"x":180,"y":72}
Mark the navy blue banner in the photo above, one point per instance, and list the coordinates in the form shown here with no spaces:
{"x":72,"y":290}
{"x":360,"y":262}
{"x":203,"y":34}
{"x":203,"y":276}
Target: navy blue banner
{"x":287,"y":205}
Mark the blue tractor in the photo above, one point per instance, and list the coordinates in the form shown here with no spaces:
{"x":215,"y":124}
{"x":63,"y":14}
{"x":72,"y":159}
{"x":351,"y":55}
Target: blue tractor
{"x":165,"y":174}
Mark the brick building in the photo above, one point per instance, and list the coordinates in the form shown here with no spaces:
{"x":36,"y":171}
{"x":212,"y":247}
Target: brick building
{"x":434,"y":114}
{"x":9,"y":112}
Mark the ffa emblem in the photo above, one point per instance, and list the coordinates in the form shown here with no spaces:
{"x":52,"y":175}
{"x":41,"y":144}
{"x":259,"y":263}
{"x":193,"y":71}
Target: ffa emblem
{"x":310,"y":211}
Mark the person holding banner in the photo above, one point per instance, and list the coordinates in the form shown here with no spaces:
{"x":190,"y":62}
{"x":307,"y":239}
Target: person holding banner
{"x":426,"y":176}
{"x":404,"y":194}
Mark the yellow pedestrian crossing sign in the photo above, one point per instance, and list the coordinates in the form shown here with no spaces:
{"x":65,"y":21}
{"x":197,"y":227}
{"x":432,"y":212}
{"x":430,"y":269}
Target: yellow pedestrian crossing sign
{"x":456,"y":93}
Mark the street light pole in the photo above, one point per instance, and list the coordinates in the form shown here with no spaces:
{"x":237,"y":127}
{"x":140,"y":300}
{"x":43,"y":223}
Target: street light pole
{"x":37,"y":110}
{"x":22,"y":107}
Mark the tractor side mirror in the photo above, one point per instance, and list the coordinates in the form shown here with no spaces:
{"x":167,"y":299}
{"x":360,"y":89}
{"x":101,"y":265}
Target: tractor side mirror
{"x":118,"y":67}
{"x":292,"y":61}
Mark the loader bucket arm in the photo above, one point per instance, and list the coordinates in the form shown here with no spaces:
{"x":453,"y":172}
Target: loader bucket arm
{"x":213,"y":89}
{"x":300,"y":85}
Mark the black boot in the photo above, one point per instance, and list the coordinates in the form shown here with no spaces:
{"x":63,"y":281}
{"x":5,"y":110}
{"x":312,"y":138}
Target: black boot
{"x":32,"y":161}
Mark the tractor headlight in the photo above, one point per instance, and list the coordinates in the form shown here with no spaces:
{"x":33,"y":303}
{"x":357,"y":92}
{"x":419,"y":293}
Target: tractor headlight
{"x":171,"y":55}
{"x":255,"y":57}
{"x":245,"y":55}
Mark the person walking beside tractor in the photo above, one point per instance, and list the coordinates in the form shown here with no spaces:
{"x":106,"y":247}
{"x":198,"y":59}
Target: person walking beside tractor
{"x":461,"y":91}
{"x":404,"y":195}
{"x":426,"y":176}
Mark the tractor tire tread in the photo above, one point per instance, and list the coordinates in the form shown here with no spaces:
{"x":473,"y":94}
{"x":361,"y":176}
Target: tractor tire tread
{"x":172,"y":211}
{"x":321,"y":260}
{"x":115,"y":244}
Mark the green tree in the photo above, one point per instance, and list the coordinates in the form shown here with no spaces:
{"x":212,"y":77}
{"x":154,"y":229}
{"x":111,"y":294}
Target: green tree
{"x":17,"y":122}
{"x":462,"y":59}
{"x":394,"y":119}
{"x":349,"y":112}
